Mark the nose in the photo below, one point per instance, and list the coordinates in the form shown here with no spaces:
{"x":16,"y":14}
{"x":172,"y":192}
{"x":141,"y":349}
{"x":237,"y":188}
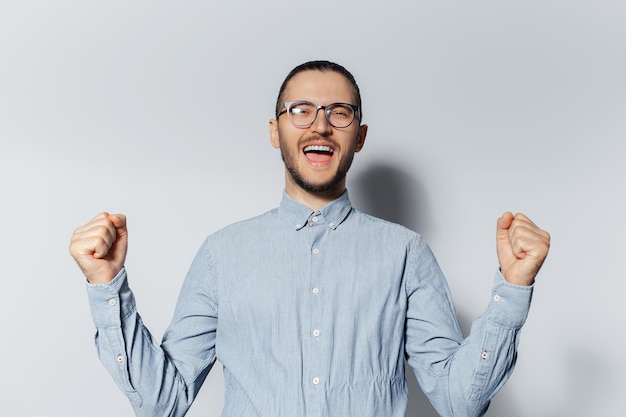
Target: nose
{"x":320,"y":124}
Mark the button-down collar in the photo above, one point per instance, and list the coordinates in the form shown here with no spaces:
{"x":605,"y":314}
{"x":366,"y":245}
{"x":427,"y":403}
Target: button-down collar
{"x":298,"y":215}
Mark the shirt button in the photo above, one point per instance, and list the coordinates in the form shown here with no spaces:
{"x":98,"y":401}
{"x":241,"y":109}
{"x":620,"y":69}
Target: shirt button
{"x":112,"y":302}
{"x":120,"y":358}
{"x":331,"y":224}
{"x":316,"y":381}
{"x":316,"y":333}
{"x":298,"y":226}
{"x":316,"y":251}
{"x":496,"y":298}
{"x":316,"y":290}
{"x":314,"y":219}
{"x":484,"y":355}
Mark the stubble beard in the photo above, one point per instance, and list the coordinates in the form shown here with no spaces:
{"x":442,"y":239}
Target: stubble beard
{"x":323,"y":188}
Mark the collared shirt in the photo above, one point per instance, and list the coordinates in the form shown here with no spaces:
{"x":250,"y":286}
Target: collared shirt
{"x":311,"y":314}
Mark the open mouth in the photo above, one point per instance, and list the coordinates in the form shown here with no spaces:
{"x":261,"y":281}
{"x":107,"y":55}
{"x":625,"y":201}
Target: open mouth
{"x":318,"y":153}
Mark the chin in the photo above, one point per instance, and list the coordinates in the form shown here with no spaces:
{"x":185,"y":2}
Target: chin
{"x":320,"y":187}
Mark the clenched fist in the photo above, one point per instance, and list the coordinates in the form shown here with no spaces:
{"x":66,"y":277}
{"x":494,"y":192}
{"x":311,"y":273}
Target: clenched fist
{"x":522,"y":247}
{"x":100,"y":246}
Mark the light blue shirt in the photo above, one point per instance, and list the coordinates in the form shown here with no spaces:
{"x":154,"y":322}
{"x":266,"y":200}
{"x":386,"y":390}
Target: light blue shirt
{"x":311,"y":314}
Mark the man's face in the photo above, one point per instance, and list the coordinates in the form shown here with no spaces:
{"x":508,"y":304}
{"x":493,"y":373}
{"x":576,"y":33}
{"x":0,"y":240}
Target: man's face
{"x":317,"y":157}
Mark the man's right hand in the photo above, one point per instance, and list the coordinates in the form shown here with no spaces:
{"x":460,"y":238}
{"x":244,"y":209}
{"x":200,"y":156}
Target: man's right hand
{"x":99,"y":247}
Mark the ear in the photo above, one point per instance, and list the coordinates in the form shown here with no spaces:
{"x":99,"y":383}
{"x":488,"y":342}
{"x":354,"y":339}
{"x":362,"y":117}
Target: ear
{"x":360,"y":138}
{"x":274,"y":133}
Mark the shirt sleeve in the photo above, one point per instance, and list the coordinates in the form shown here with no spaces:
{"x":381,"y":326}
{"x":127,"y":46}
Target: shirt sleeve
{"x":158,"y":380}
{"x":460,"y":376}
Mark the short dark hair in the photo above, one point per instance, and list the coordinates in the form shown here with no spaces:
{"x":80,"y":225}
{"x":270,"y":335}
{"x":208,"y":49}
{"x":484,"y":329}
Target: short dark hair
{"x":322,"y":66}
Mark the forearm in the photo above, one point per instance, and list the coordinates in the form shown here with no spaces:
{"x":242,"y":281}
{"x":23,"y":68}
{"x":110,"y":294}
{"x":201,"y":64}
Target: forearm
{"x":464,"y":383}
{"x":487,"y":357}
{"x":138,"y":365}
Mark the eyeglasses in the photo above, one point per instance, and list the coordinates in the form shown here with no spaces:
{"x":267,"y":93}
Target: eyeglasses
{"x":303,"y":113}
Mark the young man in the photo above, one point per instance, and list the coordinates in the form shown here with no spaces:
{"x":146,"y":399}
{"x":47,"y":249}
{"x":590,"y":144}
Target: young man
{"x":312,"y":307}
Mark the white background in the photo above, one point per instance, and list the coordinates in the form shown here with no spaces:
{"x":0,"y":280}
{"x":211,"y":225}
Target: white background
{"x":159,"y":110}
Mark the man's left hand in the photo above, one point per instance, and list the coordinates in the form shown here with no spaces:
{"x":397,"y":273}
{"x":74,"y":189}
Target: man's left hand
{"x":522,"y":247}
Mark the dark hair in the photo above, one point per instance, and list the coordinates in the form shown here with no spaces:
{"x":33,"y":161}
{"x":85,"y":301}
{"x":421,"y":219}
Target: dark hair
{"x":322,"y":66}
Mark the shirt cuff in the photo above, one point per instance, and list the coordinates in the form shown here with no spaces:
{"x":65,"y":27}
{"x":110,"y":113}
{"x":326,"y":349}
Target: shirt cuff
{"x":111,"y":301}
{"x":509,"y":303}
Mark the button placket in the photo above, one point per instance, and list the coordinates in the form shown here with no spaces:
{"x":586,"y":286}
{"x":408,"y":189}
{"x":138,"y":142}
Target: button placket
{"x":317,"y":229}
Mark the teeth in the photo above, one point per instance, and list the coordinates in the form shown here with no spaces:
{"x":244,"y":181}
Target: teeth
{"x":318,"y":148}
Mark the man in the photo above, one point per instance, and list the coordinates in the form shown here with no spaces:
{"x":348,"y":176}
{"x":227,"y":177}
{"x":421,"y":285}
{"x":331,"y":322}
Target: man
{"x":312,"y":307}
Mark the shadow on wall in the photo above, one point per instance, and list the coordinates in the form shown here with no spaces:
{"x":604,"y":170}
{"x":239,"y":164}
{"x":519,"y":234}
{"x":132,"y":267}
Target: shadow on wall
{"x":390,"y":193}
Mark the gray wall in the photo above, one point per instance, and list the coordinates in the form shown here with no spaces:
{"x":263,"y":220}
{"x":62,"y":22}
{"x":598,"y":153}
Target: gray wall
{"x":159,"y":110}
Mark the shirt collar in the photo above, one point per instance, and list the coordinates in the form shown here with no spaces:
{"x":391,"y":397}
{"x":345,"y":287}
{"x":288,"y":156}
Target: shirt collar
{"x":298,"y":215}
